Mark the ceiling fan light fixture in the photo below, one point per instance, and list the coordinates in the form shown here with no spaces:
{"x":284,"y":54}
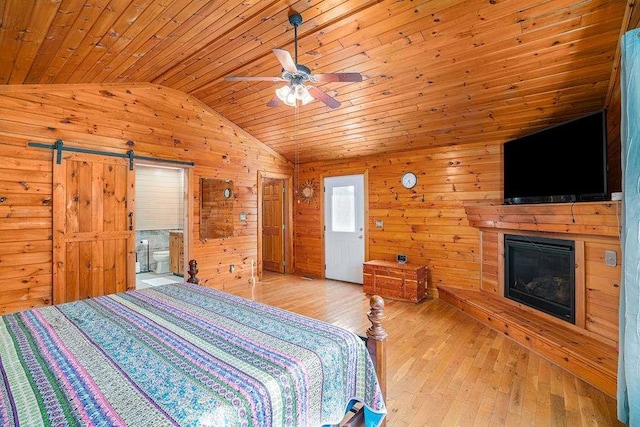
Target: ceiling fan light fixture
{"x":290,"y":95}
{"x":297,"y":75}
{"x":287,"y":95}
{"x":302,"y":93}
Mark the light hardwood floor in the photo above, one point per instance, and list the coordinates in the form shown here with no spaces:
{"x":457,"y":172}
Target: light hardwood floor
{"x":445,"y":368}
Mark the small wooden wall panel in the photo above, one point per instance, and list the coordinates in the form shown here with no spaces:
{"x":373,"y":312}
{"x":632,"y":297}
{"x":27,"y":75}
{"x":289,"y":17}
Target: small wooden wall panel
{"x":602,"y":290}
{"x":490,"y":256}
{"x":176,"y":253}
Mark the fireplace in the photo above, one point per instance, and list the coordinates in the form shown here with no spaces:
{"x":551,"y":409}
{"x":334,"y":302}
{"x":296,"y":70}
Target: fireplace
{"x":540,"y":273}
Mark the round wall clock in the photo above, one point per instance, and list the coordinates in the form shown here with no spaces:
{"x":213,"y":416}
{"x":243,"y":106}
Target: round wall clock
{"x":409,"y":180}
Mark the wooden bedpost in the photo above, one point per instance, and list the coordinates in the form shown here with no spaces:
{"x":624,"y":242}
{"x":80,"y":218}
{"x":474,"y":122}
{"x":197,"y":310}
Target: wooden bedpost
{"x":193,"y":271}
{"x":377,"y":337}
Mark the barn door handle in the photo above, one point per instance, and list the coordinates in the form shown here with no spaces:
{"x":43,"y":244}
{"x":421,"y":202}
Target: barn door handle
{"x":130,"y":220}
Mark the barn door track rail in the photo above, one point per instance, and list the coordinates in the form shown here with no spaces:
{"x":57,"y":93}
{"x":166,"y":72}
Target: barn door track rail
{"x":59,"y":147}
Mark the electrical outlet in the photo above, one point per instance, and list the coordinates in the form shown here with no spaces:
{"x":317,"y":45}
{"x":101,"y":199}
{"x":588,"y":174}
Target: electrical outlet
{"x":379,"y":223}
{"x":610,"y":258}
{"x":232,"y":268}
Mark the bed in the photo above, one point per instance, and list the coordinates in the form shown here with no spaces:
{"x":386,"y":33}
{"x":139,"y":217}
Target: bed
{"x":187,"y":355}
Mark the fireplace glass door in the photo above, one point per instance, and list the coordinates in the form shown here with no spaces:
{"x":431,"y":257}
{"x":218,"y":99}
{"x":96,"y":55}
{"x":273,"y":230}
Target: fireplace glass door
{"x":540,"y":273}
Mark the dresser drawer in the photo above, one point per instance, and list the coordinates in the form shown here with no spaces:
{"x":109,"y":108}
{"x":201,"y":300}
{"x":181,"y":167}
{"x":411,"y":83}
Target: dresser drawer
{"x":388,"y":272}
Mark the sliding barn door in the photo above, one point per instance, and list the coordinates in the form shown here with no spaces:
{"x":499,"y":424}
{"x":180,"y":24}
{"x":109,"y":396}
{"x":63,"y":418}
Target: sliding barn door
{"x":93,"y":229}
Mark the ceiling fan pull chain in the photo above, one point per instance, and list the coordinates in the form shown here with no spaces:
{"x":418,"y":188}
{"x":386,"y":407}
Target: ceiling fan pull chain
{"x":295,"y":36}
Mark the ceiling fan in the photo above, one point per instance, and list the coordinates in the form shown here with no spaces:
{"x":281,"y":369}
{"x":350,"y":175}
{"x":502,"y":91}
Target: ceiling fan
{"x":298,"y":77}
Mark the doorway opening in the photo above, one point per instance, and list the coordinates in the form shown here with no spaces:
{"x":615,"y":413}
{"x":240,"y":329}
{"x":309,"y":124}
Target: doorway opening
{"x":161,"y":231}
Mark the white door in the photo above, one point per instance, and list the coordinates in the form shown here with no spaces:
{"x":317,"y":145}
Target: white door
{"x":344,"y":227}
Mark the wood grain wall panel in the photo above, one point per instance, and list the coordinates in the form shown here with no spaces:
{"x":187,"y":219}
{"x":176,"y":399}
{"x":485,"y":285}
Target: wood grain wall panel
{"x":614,"y":142}
{"x":490,"y":277}
{"x":151,"y":120}
{"x":602,"y":289}
{"x":308,"y":234}
{"x":25,"y":226}
{"x":427,"y":223}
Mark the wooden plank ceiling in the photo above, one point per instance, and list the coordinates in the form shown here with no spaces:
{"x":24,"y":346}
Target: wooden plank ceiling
{"x":435,"y":72}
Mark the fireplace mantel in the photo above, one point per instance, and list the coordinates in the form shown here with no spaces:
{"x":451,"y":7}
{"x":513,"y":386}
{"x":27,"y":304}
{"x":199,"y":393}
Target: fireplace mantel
{"x":600,"y":219}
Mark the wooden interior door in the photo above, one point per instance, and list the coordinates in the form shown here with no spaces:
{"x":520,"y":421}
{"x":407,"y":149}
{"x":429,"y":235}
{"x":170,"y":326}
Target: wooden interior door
{"x":93,"y":228}
{"x":273,"y":225}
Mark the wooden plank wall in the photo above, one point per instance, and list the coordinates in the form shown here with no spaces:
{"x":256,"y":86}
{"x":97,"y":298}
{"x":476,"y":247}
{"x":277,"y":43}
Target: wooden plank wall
{"x":26,"y":247}
{"x":428,"y":223}
{"x":153,"y":121}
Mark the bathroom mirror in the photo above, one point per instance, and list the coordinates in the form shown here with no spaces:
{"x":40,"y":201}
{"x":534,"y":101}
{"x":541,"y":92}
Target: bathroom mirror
{"x":216,"y":208}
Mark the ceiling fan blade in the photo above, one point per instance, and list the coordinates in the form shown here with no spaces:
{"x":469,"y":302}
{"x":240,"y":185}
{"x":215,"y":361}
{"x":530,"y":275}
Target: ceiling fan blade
{"x":254,"y":78}
{"x":320,"y":95}
{"x":275,"y":101}
{"x":337,"y":77}
{"x":286,"y":60}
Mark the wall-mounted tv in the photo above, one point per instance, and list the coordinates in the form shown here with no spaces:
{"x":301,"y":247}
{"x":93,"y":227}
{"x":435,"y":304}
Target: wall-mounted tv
{"x":564,"y":163}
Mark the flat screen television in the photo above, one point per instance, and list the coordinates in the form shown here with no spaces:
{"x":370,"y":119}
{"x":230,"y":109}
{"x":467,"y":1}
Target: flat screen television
{"x":564,"y":163}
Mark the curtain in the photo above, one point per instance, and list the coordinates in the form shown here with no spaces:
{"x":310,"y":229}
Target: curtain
{"x":629,"y":357}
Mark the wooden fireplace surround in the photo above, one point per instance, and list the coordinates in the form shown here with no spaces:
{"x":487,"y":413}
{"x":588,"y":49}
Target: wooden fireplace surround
{"x":588,"y":348}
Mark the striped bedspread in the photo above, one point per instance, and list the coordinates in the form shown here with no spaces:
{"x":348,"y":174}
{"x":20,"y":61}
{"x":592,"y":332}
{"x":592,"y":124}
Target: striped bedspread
{"x":179,"y":355}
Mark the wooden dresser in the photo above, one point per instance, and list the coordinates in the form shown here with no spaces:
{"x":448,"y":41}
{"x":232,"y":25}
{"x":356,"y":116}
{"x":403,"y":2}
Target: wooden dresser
{"x":396,"y":281}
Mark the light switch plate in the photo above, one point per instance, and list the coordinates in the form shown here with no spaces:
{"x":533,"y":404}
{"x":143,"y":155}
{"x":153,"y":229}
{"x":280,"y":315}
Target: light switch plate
{"x":379,"y":223}
{"x":610,"y":258}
